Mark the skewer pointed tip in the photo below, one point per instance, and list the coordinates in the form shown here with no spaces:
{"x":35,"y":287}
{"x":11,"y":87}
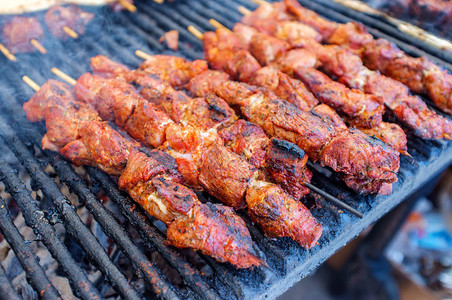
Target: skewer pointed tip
{"x":142,"y":54}
{"x":127,"y":5}
{"x":244,"y":11}
{"x":447,"y":137}
{"x":63,"y":76}
{"x":404,"y":152}
{"x":217,"y":24}
{"x":7,"y":53}
{"x":70,"y":32}
{"x":333,"y":200}
{"x":193,"y":30}
{"x":31,"y":83}
{"x":38,"y":46}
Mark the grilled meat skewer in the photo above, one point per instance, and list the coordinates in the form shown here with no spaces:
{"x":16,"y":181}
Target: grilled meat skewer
{"x":76,"y":131}
{"x":419,"y":74}
{"x":20,"y":32}
{"x":203,"y":160}
{"x":244,"y":138}
{"x":60,"y":17}
{"x":337,"y":61}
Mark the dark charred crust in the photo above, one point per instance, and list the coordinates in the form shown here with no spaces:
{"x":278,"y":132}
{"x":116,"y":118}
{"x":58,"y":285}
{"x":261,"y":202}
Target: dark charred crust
{"x":288,"y":148}
{"x":165,"y":159}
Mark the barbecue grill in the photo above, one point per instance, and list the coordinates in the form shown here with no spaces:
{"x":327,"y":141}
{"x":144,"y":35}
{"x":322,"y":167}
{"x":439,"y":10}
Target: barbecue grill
{"x":118,"y":36}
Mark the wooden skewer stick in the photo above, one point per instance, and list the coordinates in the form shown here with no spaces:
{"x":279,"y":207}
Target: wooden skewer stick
{"x":244,"y":11}
{"x":64,"y":76}
{"x":260,"y":2}
{"x":159,"y":1}
{"x":195,"y":31}
{"x":217,"y":24}
{"x":70,"y":32}
{"x":127,"y":5}
{"x":143,"y":55}
{"x":31,"y":83}
{"x":38,"y":46}
{"x":7,"y":53}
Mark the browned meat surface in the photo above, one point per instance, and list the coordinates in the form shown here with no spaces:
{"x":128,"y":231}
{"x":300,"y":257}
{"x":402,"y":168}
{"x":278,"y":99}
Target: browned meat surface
{"x":365,"y":186}
{"x":71,"y":16}
{"x":419,"y":74}
{"x":329,"y":116}
{"x":364,"y":110}
{"x":266,"y":49}
{"x":236,"y":62}
{"x":55,"y":103}
{"x":410,"y":110}
{"x":226,"y":175}
{"x":18,"y":33}
{"x":216,"y":231}
{"x":286,"y":166}
{"x":308,"y":17}
{"x":174,"y":70}
{"x":391,"y":134}
{"x":285,"y":87}
{"x":365,"y":157}
{"x":248,"y":140}
{"x":105,"y":67}
{"x":206,"y":82}
{"x":152,"y":181}
{"x":369,"y":158}
{"x":171,"y":39}
{"x":296,"y":59}
{"x":99,"y":146}
{"x":280,"y":215}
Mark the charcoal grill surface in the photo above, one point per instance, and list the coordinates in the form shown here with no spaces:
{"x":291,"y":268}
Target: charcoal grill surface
{"x":118,"y":36}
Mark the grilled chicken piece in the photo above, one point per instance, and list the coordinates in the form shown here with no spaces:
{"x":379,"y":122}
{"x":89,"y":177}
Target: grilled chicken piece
{"x":223,"y":51}
{"x":19,"y":32}
{"x":151,"y":180}
{"x":285,"y":87}
{"x":280,"y":215}
{"x":71,"y":16}
{"x":362,"y":109}
{"x":174,"y":70}
{"x":171,"y":38}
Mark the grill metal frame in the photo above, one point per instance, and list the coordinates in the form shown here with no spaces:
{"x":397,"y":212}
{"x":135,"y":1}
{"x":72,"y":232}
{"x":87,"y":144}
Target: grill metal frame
{"x":117,"y":36}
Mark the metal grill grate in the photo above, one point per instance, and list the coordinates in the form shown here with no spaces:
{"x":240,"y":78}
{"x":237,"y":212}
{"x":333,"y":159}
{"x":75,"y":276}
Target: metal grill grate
{"x":118,"y":36}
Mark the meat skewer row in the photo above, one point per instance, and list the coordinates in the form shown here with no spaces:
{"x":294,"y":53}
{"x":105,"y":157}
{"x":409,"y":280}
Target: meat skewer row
{"x":419,"y":74}
{"x":370,"y":165}
{"x":410,"y":110}
{"x":202,"y":159}
{"x":75,"y":130}
{"x":282,"y":162}
{"x":360,"y":110}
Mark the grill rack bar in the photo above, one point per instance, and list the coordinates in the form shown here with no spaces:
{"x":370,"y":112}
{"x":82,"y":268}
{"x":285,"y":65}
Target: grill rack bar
{"x":37,"y":279}
{"x":7,"y":291}
{"x":34,"y":217}
{"x":74,"y":225}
